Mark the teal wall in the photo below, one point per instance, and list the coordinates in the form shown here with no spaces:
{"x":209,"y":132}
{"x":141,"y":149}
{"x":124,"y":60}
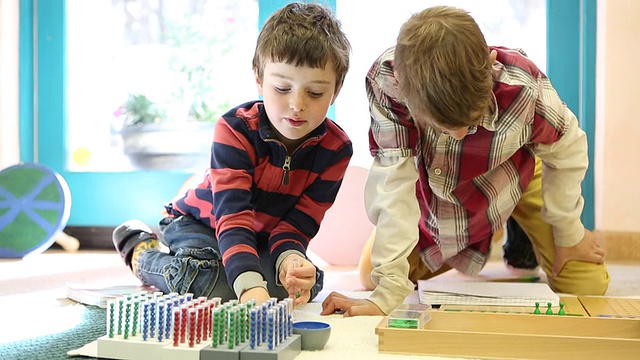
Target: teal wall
{"x":571,"y":58}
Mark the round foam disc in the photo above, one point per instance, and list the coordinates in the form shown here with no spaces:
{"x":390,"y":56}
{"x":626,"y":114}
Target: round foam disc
{"x":35,"y":203}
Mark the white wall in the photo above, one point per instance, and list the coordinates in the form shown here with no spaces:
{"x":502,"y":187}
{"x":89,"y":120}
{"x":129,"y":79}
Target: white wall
{"x":617,"y":146}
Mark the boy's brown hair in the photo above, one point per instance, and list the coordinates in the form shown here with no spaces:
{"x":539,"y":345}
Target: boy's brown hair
{"x":303,"y":34}
{"x":443,"y":67}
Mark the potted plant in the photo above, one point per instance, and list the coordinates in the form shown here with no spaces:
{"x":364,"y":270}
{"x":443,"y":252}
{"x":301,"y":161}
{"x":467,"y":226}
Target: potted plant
{"x":174,"y":129}
{"x":154,"y":140}
{"x":176,"y":132}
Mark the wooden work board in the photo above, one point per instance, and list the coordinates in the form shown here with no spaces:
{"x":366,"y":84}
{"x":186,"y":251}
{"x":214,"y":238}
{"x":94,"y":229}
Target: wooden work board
{"x":593,"y":328}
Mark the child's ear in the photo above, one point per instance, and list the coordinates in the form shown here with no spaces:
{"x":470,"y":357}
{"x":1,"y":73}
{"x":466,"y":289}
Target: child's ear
{"x":492,"y":56}
{"x":258,"y":81}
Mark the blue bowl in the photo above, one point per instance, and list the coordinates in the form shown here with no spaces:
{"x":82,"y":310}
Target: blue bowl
{"x":314,"y":334}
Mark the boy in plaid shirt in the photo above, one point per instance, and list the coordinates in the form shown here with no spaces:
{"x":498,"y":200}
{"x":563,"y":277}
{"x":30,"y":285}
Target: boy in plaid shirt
{"x":465,"y":136}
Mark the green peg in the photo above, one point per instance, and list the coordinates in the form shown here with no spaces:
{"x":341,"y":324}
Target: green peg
{"x":549,"y":310}
{"x":537,"y":310}
{"x":561,"y":311}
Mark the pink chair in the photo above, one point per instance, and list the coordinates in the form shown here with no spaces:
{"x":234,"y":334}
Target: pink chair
{"x":346,"y":227}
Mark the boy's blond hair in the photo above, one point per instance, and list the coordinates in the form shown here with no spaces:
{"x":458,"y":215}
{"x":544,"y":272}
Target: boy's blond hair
{"x":303,"y":34}
{"x":443,"y":67}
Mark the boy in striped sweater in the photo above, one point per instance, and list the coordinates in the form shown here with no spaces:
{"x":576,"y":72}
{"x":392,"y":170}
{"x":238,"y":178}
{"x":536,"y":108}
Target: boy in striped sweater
{"x":276,"y":167}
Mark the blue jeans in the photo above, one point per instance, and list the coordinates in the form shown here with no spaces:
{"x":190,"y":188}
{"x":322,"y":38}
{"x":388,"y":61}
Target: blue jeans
{"x":194,"y":265}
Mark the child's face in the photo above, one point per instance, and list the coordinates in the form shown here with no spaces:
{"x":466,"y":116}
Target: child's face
{"x":296,"y":98}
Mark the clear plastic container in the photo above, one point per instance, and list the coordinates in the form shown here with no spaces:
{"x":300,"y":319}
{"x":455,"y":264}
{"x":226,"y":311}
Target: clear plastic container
{"x":409,"y":316}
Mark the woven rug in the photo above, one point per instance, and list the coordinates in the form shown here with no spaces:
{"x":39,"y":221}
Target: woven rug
{"x":55,"y":346}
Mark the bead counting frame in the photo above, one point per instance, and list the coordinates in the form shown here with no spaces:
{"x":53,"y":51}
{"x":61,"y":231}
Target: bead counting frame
{"x":598,"y":331}
{"x":156,"y":326}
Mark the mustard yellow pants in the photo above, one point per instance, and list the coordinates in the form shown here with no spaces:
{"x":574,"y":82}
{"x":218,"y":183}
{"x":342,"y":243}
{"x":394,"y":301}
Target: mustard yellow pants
{"x":577,"y":277}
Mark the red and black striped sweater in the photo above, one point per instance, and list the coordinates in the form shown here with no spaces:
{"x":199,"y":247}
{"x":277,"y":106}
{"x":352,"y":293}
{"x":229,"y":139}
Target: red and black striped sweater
{"x":255,"y":192}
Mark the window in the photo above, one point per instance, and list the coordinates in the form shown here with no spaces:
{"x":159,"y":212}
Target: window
{"x":146,"y":79}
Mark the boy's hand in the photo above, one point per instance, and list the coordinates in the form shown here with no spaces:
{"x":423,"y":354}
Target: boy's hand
{"x":336,"y":303}
{"x":588,"y":249}
{"x":260,"y":294}
{"x":298,"y":276}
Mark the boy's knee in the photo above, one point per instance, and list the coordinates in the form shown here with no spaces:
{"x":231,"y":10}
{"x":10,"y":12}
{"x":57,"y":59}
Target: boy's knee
{"x":365,"y":279}
{"x":364,"y":271}
{"x":191,"y":275}
{"x":581,"y":278}
{"x":586,"y":289}
{"x":364,"y":264}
